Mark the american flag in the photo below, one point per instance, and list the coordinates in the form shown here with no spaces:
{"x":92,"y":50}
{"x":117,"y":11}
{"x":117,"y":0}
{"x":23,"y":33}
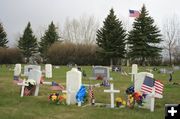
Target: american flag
{"x":134,"y":13}
{"x":91,"y":93}
{"x":147,"y":85}
{"x":56,"y":86}
{"x":158,"y":89}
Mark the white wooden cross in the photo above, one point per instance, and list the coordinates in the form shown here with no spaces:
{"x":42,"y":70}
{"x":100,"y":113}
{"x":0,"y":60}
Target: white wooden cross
{"x":68,"y":98}
{"x":112,"y":91}
{"x":23,"y":84}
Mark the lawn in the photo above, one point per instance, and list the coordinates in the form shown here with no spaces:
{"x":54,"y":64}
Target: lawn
{"x":12,"y":106}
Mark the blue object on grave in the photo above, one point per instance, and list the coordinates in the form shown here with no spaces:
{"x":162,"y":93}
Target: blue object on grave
{"x":130,"y":90}
{"x":54,"y":83}
{"x":80,"y":96}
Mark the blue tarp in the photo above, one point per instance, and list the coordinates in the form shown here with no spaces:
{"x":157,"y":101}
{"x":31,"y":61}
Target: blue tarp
{"x":81,"y":94}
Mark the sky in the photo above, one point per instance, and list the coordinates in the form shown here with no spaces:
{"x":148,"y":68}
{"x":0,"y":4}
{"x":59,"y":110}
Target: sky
{"x":15,"y":14}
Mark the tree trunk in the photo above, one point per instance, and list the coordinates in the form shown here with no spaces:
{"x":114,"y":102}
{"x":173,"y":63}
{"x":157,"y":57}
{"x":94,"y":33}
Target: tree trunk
{"x":143,"y":62}
{"x":127,"y":63}
{"x":111,"y":62}
{"x":170,"y":60}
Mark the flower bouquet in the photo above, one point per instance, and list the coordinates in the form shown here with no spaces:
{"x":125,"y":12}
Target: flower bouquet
{"x":57,"y":98}
{"x":120,"y":102}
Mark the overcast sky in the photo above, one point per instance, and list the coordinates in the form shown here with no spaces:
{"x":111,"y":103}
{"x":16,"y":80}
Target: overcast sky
{"x":14,"y":14}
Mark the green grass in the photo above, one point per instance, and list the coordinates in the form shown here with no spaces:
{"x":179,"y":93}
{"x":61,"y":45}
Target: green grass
{"x":12,"y":106}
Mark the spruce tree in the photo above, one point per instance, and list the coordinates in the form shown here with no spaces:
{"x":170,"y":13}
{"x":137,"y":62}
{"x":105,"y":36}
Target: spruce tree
{"x":28,"y":43}
{"x":144,"y":38}
{"x":111,"y":38}
{"x":3,"y":37}
{"x":50,"y":36}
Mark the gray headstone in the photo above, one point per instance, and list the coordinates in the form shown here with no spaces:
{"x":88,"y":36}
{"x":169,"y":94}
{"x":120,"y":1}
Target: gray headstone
{"x":101,"y":71}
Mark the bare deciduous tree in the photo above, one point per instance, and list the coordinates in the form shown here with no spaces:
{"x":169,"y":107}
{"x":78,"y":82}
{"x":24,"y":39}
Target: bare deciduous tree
{"x":82,"y":30}
{"x":171,"y":32}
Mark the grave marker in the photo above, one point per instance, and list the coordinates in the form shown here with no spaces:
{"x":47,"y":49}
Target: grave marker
{"x":73,"y":84}
{"x":48,"y":71}
{"x":112,"y":91}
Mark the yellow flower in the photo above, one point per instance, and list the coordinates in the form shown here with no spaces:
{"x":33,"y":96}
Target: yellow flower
{"x":118,"y":99}
{"x":124,"y":102}
{"x":53,"y":97}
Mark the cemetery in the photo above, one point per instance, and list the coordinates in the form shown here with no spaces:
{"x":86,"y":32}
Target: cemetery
{"x":125,"y":96}
{"x":68,"y":64}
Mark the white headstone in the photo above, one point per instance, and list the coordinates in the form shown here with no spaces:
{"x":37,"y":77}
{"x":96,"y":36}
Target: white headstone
{"x":17,"y":70}
{"x":28,"y":68}
{"x":36,"y":75}
{"x":48,"y":71}
{"x":149,"y":101}
{"x":112,"y":91}
{"x":139,"y":79}
{"x":73,"y":84}
{"x":134,"y":71}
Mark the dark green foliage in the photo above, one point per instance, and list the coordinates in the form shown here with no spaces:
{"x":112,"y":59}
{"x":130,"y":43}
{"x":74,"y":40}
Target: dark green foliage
{"x":144,"y":38}
{"x":28,"y":43}
{"x":111,"y":37}
{"x":10,"y":56}
{"x":50,"y":36}
{"x":3,"y":37}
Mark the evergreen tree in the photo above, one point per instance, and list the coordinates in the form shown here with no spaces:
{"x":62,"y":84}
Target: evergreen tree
{"x":111,"y":38}
{"x":3,"y":37}
{"x":144,"y":38}
{"x":28,"y":43}
{"x":51,"y":35}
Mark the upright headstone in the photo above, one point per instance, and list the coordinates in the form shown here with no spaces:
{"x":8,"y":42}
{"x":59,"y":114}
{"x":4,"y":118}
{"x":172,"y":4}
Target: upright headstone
{"x":48,"y":70}
{"x":134,"y":71}
{"x":28,"y":68}
{"x":73,"y":84}
{"x":139,"y":79}
{"x":100,"y":71}
{"x":17,"y":70}
{"x":35,"y":75}
{"x":149,"y":100}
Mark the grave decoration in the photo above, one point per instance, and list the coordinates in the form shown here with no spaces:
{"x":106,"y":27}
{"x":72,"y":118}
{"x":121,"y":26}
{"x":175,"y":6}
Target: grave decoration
{"x":81,"y":96}
{"x":120,"y":102}
{"x":29,"y":89}
{"x":130,"y":98}
{"x":148,"y":89}
{"x":105,"y":83}
{"x":57,"y":98}
{"x":91,"y":95}
{"x":34,"y":76}
{"x":56,"y":86}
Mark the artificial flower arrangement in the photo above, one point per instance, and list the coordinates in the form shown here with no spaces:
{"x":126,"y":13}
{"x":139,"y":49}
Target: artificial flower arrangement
{"x":134,"y":97}
{"x":57,"y":98}
{"x":120,"y":102}
{"x":138,"y":97}
{"x":30,"y":88}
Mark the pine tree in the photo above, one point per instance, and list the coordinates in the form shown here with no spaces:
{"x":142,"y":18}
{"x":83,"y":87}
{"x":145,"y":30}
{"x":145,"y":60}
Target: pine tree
{"x":51,"y":36}
{"x":111,"y":38}
{"x":3,"y":37}
{"x":144,"y":38}
{"x":28,"y":43}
